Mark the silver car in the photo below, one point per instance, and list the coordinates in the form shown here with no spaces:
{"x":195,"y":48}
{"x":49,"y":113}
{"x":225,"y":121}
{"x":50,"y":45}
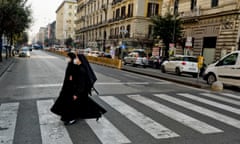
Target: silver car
{"x":136,"y":58}
{"x":24,"y":52}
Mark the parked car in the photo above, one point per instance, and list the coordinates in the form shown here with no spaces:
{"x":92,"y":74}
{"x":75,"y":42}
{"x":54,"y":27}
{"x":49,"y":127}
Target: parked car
{"x":136,"y":58}
{"x":155,"y":61}
{"x":24,"y":52}
{"x":226,"y":70}
{"x":95,"y":53}
{"x":181,"y":64}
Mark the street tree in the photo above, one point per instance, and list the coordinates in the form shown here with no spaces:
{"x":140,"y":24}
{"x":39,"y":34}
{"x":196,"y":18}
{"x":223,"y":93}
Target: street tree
{"x":15,"y":18}
{"x":168,"y":28}
{"x":69,"y":42}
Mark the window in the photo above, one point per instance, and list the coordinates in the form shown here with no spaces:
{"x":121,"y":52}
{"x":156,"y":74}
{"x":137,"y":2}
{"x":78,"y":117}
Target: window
{"x":123,"y":11}
{"x":152,"y":9}
{"x":214,"y":3}
{"x":230,"y":60}
{"x":193,"y":4}
{"x":117,"y":13}
{"x":130,"y":10}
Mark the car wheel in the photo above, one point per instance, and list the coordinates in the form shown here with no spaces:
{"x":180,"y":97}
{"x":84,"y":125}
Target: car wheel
{"x":211,"y":79}
{"x":163,"y":69}
{"x":178,"y":71}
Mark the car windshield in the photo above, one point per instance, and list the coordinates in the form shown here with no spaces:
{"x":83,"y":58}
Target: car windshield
{"x":24,"y":49}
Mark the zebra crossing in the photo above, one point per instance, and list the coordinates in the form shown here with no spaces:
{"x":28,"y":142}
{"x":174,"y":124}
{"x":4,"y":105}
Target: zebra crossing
{"x":54,"y":132}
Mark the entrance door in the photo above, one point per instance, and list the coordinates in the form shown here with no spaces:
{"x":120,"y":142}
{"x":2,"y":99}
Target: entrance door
{"x":209,"y":49}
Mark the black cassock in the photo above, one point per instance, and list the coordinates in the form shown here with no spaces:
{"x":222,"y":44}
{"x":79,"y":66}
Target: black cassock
{"x":83,"y":107}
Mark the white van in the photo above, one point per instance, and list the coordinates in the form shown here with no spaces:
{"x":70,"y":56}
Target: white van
{"x":226,"y":70}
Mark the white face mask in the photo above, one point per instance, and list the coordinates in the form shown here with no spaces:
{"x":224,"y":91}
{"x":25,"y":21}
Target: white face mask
{"x":75,"y":61}
{"x":68,"y":59}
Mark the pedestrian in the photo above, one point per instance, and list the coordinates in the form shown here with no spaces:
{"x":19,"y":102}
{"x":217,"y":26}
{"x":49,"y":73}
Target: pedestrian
{"x":73,"y":102}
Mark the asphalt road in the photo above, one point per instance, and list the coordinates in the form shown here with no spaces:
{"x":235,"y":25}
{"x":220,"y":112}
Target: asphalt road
{"x":141,"y":109}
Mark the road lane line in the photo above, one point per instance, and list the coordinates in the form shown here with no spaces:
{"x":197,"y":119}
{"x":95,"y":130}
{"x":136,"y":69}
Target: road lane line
{"x":155,"y":129}
{"x":204,"y":111}
{"x":52,"y":130}
{"x":221,"y":98}
{"x":97,"y":83}
{"x":107,"y":132}
{"x":177,"y":116}
{"x":212,"y":103}
{"x":231,"y":95}
{"x":8,"y":120}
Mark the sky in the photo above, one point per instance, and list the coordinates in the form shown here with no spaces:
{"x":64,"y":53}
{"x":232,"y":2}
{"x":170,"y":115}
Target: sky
{"x":44,"y":12}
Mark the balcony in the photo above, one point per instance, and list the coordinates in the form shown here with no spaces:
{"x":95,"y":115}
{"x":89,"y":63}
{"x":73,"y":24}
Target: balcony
{"x":194,"y":13}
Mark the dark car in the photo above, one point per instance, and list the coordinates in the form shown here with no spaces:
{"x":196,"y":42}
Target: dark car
{"x":155,"y":61}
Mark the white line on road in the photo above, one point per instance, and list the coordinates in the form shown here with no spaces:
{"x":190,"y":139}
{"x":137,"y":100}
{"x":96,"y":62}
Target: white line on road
{"x":231,"y":95}
{"x":107,"y":132}
{"x":221,"y":98}
{"x":204,"y":111}
{"x":97,"y":83}
{"x":8,"y":119}
{"x":212,"y":103}
{"x":175,"y":115}
{"x":52,"y":130}
{"x":146,"y":123}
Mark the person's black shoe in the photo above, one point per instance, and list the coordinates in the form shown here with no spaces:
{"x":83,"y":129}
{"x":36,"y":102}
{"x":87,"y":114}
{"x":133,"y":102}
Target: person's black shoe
{"x":69,"y":122}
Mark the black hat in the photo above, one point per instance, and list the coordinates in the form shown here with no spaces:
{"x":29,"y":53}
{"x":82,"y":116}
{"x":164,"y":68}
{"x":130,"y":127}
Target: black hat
{"x":71,"y":55}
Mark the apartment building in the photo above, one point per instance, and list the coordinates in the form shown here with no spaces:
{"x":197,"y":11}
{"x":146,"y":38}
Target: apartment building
{"x":65,"y":17}
{"x":211,"y":27}
{"x":112,"y":24}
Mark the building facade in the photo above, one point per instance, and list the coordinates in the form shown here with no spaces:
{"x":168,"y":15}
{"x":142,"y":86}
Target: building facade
{"x":65,"y":17}
{"x":112,"y":24}
{"x":211,"y":28}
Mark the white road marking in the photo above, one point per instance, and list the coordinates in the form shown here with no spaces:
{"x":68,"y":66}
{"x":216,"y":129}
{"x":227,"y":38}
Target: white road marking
{"x":52,"y":130}
{"x":97,"y":83}
{"x":231,"y":95}
{"x":204,"y":111}
{"x":107,"y":132}
{"x":8,"y":120}
{"x":212,"y":103}
{"x":221,"y":98}
{"x":175,"y":115}
{"x":155,"y":129}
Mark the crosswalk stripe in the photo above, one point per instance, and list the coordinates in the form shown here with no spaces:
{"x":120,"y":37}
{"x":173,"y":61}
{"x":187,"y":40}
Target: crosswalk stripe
{"x":212,"y":103}
{"x":155,"y":129}
{"x":231,"y":95}
{"x":8,"y":120}
{"x":221,"y":98}
{"x":215,"y":115}
{"x":52,"y":130}
{"x":175,"y":115}
{"x":107,"y":132}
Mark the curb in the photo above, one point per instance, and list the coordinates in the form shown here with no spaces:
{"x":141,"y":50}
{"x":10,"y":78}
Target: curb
{"x":180,"y":81}
{"x":6,"y":65}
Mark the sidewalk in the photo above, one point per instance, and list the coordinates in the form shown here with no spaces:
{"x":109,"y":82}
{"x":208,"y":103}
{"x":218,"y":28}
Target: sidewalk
{"x":4,"y":65}
{"x":183,"y":79}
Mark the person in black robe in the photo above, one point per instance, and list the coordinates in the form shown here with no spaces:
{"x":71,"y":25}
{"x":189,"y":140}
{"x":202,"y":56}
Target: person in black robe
{"x":63,"y":104}
{"x":83,"y":82}
{"x":73,"y":102}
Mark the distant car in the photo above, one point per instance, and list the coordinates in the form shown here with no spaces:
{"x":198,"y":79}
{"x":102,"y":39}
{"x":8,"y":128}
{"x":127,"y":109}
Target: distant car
{"x":136,"y":58}
{"x":155,"y":61}
{"x":95,"y":53}
{"x":24,"y":52}
{"x":181,"y":64}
